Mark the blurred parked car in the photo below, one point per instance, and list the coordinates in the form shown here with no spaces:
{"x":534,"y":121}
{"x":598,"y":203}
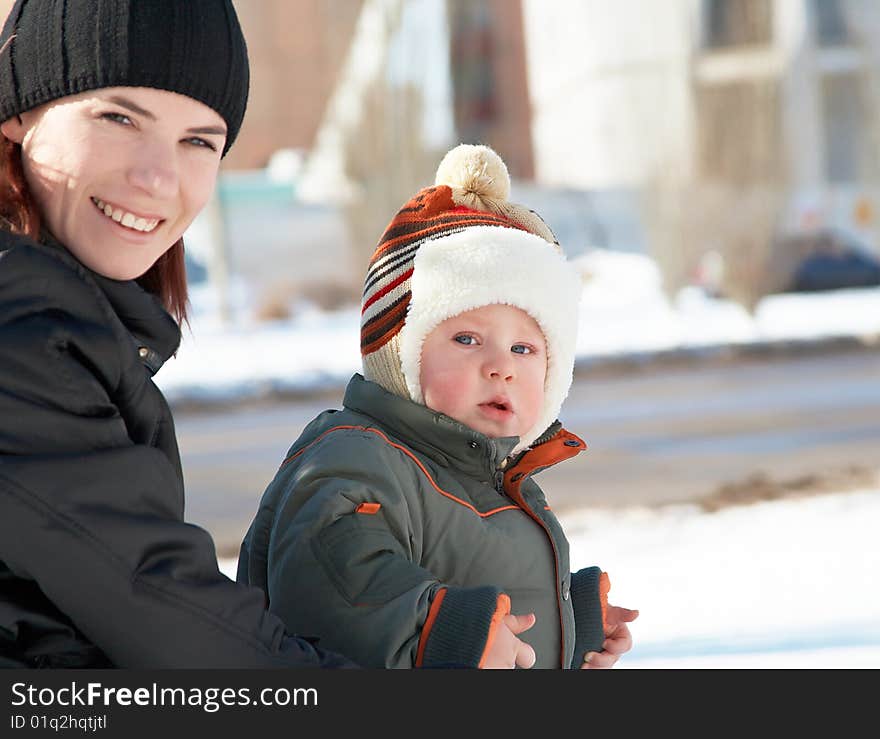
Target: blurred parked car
{"x":824,"y":260}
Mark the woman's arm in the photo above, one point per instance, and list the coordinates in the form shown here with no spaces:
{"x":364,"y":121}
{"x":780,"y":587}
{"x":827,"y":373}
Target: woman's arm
{"x":139,"y":583}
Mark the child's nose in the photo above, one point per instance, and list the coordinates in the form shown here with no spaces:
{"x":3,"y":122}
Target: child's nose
{"x":499,"y":366}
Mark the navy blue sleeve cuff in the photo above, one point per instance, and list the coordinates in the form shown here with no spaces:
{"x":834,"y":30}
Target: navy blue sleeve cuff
{"x":461,"y":628}
{"x":589,"y":629}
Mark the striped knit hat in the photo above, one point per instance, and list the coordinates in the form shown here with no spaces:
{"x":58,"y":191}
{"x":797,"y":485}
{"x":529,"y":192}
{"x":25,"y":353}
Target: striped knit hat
{"x":457,"y":246}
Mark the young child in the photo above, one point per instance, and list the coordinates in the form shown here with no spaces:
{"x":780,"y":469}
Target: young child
{"x":406,"y":529}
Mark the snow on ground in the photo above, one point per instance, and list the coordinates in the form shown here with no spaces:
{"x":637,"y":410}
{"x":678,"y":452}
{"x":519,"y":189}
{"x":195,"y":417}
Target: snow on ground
{"x":788,"y":583}
{"x":793,"y":583}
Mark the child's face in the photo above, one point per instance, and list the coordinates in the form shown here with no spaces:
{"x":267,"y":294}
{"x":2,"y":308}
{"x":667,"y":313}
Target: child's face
{"x":486,"y":368}
{"x":119,"y":173}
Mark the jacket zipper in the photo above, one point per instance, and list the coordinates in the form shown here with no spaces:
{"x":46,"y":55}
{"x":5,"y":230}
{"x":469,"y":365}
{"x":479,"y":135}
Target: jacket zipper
{"x":499,"y":486}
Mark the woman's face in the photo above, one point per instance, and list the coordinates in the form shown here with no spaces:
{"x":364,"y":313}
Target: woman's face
{"x":120,"y":173}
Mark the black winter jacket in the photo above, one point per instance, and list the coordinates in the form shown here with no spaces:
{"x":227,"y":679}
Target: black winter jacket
{"x":97,"y":566}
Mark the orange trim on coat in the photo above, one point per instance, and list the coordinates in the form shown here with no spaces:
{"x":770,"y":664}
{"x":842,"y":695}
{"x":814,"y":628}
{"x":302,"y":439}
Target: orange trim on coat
{"x":429,"y":622}
{"x":562,"y":446}
{"x":502,"y":608}
{"x":414,"y":459}
{"x":604,"y":587}
{"x":369,"y":509}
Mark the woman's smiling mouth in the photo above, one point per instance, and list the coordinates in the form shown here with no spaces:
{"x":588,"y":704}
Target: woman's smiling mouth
{"x":124,"y":218}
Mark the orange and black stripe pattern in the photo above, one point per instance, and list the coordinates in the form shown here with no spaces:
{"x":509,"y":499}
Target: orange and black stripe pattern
{"x":431,"y":214}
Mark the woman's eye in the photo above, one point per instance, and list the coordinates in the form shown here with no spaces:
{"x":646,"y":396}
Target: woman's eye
{"x":202,"y":143}
{"x":117,"y":118}
{"x":465,"y":339}
{"x":521,"y":349}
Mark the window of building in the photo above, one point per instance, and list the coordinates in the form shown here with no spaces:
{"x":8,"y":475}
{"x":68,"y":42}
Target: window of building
{"x":829,"y":21}
{"x":739,"y":132}
{"x":846,"y":155}
{"x":737,"y":22}
{"x":472,"y":54}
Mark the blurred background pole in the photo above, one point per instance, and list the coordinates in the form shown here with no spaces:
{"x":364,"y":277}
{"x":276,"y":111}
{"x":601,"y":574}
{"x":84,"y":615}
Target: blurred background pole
{"x":218,"y":255}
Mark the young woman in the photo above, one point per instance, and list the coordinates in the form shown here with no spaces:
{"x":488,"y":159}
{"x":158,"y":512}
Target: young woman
{"x":114,"y":118}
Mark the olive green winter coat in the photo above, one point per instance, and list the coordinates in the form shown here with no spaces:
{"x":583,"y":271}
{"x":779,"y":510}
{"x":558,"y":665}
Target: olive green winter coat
{"x":394,"y":534}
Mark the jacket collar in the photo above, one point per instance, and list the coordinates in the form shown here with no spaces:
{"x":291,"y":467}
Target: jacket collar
{"x":155,"y":334}
{"x":445,"y":440}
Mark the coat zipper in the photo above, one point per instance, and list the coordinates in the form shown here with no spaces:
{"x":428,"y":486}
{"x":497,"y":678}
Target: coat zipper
{"x":499,"y":486}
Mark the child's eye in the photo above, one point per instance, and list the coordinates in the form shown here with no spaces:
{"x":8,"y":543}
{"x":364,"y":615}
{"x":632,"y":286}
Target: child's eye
{"x":521,"y":349}
{"x":117,"y":118}
{"x":466,"y":339}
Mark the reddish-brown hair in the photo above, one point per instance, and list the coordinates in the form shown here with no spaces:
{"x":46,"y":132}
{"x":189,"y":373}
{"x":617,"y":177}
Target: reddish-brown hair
{"x":19,"y":213}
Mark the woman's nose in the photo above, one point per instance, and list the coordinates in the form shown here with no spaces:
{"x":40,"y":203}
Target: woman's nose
{"x":155,"y":172}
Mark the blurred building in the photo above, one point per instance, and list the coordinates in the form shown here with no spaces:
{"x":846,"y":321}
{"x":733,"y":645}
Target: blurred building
{"x":761,"y":114}
{"x":737,"y":90}
{"x":298,"y":52}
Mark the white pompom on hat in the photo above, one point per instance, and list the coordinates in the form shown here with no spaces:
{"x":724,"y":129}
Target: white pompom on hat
{"x":457,"y":246}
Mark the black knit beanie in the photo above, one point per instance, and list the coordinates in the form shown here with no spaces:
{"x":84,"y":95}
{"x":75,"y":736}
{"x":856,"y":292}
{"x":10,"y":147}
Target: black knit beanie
{"x":63,"y":47}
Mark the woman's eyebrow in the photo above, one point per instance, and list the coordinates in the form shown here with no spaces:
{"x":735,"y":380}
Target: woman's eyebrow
{"x":132,"y":106}
{"x":218,"y":130}
{"x":135,"y":108}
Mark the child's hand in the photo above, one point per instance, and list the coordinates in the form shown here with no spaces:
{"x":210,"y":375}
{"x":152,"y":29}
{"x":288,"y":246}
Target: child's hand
{"x":618,"y":639}
{"x":506,"y":650}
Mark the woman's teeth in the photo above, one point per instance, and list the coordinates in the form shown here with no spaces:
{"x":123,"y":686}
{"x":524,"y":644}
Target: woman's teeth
{"x":125,"y":218}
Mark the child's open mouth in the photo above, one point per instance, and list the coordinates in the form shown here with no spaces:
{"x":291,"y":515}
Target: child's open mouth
{"x":497,"y":409}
